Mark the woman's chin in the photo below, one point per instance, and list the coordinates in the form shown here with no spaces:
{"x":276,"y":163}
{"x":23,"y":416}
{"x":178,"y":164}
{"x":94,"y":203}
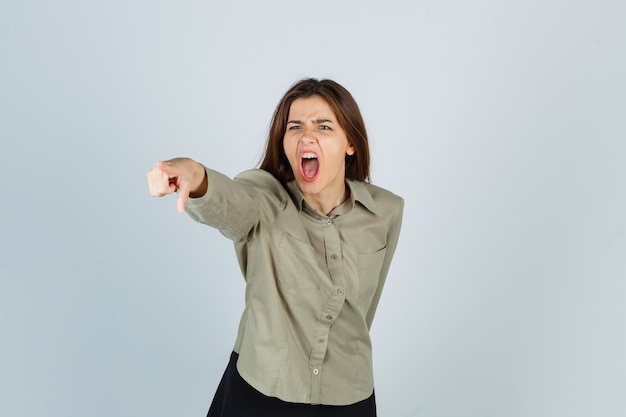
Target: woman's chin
{"x":308,"y":185}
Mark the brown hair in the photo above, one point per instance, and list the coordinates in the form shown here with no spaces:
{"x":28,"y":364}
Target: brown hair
{"x":349,"y":118}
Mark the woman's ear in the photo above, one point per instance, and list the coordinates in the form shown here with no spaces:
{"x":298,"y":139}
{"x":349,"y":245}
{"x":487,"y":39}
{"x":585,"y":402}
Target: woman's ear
{"x":350,"y":150}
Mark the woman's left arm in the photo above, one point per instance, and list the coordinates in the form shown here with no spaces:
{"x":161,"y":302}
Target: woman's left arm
{"x":393,"y":235}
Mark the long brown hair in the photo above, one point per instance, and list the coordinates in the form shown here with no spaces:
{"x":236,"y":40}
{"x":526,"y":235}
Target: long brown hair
{"x":348,"y":116}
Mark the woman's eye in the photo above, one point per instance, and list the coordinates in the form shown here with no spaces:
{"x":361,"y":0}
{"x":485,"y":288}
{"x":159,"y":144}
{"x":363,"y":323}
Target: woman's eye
{"x":294,"y":127}
{"x":322,"y":127}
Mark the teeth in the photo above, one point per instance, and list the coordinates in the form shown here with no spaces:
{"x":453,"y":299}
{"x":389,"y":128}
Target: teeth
{"x":309,"y":155}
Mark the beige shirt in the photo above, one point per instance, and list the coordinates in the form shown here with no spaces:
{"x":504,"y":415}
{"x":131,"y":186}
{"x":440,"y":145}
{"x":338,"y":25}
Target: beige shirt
{"x":312,"y":282}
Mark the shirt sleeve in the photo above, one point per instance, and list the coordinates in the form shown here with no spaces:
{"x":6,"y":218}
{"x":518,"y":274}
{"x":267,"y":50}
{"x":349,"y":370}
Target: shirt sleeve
{"x":235,"y":206}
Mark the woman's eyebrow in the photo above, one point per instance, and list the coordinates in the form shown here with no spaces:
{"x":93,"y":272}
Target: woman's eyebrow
{"x":318,"y":121}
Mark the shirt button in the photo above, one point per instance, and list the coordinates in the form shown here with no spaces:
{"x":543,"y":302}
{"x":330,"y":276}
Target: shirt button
{"x":329,"y":317}
{"x":334,"y":257}
{"x":316,"y":371}
{"x":329,"y":221}
{"x":320,"y":340}
{"x":340,"y":291}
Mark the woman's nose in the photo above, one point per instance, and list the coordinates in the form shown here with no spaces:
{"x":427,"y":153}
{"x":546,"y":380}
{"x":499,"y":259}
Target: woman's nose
{"x":308,"y":135}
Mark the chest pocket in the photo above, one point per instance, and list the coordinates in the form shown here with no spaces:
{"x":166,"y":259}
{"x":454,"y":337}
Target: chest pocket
{"x":369,"y":265}
{"x":298,"y":263}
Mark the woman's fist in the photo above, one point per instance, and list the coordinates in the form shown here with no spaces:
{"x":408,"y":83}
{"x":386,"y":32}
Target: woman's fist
{"x":182,"y":175}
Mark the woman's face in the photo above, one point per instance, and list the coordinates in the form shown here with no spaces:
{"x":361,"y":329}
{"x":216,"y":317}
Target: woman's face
{"x":316,"y":147}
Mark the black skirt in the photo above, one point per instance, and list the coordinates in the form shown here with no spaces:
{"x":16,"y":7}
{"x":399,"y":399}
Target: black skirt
{"x":236,"y":398}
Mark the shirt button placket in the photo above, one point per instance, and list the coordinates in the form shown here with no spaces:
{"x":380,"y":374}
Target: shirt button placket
{"x":332,"y":308}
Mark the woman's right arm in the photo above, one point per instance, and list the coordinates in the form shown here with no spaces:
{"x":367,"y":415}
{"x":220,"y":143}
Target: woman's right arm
{"x":233,"y":206}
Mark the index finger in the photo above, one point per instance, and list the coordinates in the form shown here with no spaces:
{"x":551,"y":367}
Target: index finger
{"x":183,"y":196}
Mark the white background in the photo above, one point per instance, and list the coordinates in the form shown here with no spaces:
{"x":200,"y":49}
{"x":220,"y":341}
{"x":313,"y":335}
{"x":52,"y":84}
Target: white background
{"x":501,"y":123}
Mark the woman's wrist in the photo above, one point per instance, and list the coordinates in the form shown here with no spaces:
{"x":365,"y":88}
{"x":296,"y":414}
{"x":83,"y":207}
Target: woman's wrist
{"x":200,"y":181}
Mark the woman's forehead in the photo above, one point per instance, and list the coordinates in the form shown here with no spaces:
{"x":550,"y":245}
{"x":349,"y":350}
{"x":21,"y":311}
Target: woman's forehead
{"x":310,"y":108}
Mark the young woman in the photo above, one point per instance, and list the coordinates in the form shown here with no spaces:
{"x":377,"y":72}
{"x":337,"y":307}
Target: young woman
{"x":314,"y":240}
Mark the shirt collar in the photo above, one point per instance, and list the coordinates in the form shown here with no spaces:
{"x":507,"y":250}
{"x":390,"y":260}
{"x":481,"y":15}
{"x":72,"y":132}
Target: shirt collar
{"x":358,"y":192}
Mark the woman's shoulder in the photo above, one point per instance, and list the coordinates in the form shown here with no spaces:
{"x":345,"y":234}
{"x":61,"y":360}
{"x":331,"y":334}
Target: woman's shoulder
{"x":257,"y":176}
{"x":264,"y":182}
{"x":380,"y":192}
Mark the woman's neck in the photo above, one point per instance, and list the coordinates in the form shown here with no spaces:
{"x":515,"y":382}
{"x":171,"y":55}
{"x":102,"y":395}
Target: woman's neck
{"x":325,"y":203}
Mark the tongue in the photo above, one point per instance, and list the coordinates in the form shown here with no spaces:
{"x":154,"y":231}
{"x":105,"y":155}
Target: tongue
{"x":310,"y":167}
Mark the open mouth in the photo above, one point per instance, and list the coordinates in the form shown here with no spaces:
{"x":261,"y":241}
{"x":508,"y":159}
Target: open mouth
{"x":309,"y":165}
